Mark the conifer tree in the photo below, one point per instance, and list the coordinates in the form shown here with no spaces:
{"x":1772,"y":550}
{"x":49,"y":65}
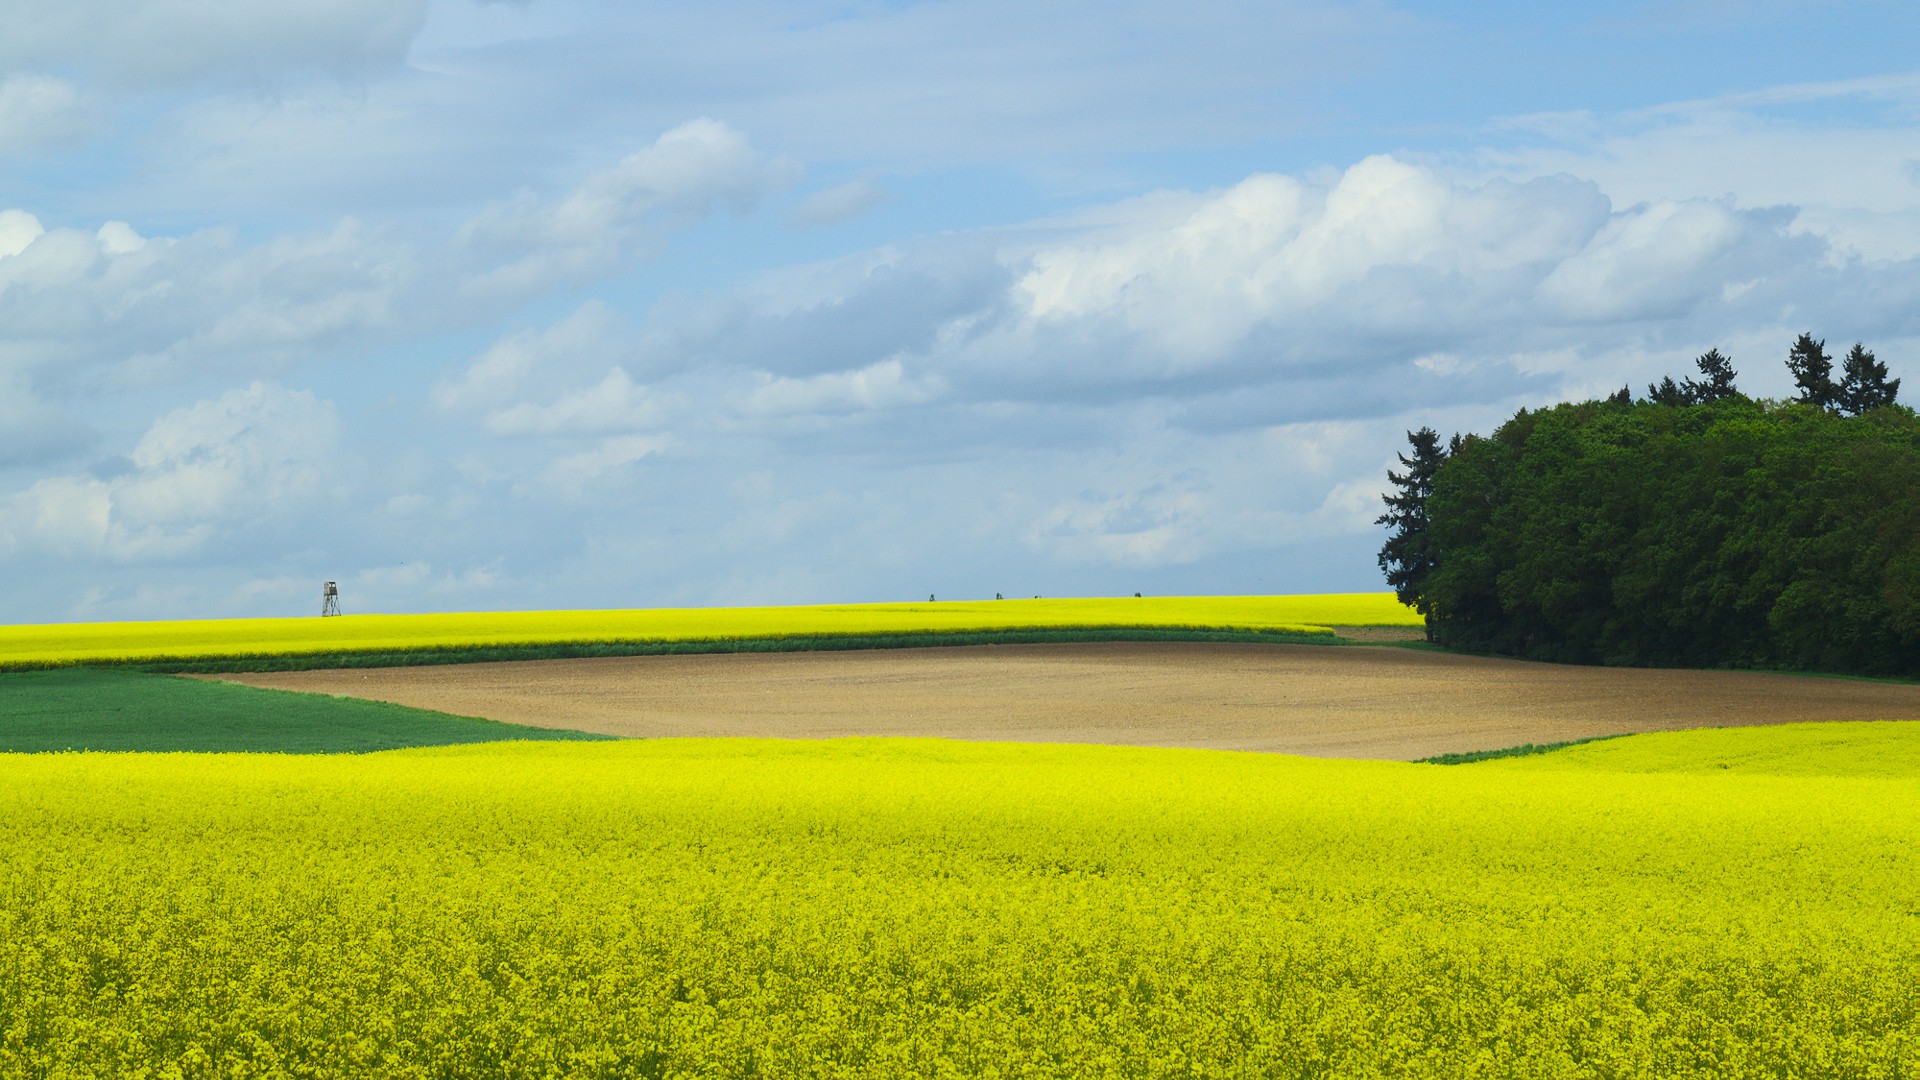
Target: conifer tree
{"x":1408,"y":556}
{"x":1864,"y":384}
{"x":1813,"y":372}
{"x":1718,"y":383}
{"x":1668,"y":392}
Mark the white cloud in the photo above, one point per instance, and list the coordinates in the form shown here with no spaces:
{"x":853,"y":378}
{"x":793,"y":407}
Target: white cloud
{"x":587,"y":341}
{"x":696,"y":169}
{"x":1664,"y":260}
{"x":142,"y":312}
{"x":118,"y":238}
{"x":540,"y":382}
{"x":1138,"y":529}
{"x":1384,"y":289}
{"x":1852,"y":183}
{"x":1389,"y":243}
{"x":199,"y":469}
{"x":574,"y":472}
{"x":17,"y":230}
{"x":1274,"y":300}
{"x":617,"y":403}
{"x":885,"y":385}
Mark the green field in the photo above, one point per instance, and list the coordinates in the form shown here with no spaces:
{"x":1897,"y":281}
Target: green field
{"x":918,"y":908}
{"x":536,"y":634}
{"x":87,"y":709}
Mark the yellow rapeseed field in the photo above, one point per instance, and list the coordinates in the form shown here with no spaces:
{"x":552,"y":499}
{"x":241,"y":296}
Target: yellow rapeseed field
{"x":917,"y":908}
{"x":68,"y":643}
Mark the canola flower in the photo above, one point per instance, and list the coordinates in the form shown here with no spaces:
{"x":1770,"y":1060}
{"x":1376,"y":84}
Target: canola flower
{"x":71,"y":643}
{"x":896,"y":908}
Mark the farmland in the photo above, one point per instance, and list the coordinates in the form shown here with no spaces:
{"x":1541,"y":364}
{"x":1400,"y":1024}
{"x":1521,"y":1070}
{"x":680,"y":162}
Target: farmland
{"x":91,"y":709}
{"x":1734,"y":902}
{"x":910,"y":907}
{"x":1296,"y":699}
{"x":520,"y":635}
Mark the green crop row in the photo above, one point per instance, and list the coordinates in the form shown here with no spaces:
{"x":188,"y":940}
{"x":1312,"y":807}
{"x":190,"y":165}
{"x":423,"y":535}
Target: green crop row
{"x":917,"y":908}
{"x":113,"y":709}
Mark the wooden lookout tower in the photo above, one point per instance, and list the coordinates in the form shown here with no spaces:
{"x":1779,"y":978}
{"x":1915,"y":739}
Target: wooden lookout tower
{"x":329,"y":599}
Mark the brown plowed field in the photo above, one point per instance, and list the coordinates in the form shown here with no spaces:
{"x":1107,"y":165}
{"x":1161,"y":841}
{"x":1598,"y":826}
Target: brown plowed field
{"x":1367,"y":702}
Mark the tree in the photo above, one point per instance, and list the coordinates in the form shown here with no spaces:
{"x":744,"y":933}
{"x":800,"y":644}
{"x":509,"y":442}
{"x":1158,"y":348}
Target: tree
{"x":1668,"y":392}
{"x":1408,"y":556}
{"x":1736,"y":535}
{"x":1813,"y":372}
{"x":1718,"y":384}
{"x":1864,"y":384}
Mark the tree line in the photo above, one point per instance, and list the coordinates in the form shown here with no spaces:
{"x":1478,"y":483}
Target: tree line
{"x":1692,"y":526}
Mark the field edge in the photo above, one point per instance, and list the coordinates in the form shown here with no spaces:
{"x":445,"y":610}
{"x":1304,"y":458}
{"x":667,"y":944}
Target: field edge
{"x":584,"y":650}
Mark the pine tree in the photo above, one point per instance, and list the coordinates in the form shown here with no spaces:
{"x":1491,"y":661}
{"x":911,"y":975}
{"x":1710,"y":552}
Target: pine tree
{"x":1668,"y":392}
{"x":1813,"y":372}
{"x":1408,"y":556}
{"x":1718,"y":383}
{"x":1864,"y":384}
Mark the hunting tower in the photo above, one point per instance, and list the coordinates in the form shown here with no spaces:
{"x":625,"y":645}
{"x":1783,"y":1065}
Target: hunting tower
{"x":329,"y":599}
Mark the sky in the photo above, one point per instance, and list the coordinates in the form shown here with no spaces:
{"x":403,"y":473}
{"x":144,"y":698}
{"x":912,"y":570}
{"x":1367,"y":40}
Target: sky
{"x":484,"y":305}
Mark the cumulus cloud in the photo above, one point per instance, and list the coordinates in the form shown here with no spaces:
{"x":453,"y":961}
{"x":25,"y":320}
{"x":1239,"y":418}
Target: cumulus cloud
{"x":616,"y":403}
{"x":18,"y":229}
{"x":1137,"y":393}
{"x":1852,"y":184}
{"x":159,"y":310}
{"x":588,"y":341}
{"x":1274,"y":300}
{"x":696,"y":169}
{"x":197,"y":470}
{"x":884,"y":385}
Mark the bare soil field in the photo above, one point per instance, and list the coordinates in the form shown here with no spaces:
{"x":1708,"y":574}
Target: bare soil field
{"x":1324,"y":701}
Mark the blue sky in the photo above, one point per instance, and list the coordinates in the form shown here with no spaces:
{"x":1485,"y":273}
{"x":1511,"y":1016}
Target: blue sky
{"x":556,"y":303}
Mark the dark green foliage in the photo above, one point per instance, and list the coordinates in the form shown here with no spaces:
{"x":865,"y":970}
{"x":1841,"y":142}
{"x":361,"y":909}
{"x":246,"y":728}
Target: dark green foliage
{"x":1668,"y":392}
{"x":1716,"y":386}
{"x":104,"y":709}
{"x":1718,"y":382}
{"x":1813,"y":373}
{"x":1523,"y":750}
{"x":1409,"y":555}
{"x":1864,"y":385}
{"x":1736,"y":533}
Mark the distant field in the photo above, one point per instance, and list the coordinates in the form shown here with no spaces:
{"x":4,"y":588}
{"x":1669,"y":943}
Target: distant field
{"x":87,"y":709}
{"x":1290,"y":699}
{"x":75,"y":643}
{"x":1886,"y":749}
{"x":885,"y":908}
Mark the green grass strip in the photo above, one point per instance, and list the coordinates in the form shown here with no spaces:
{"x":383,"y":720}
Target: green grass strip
{"x":477,"y":654}
{"x":119,"y":709}
{"x":1523,"y":750}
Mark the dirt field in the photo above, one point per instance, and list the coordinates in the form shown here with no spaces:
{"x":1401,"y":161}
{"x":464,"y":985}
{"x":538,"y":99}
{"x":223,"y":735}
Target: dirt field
{"x":1324,"y":701}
